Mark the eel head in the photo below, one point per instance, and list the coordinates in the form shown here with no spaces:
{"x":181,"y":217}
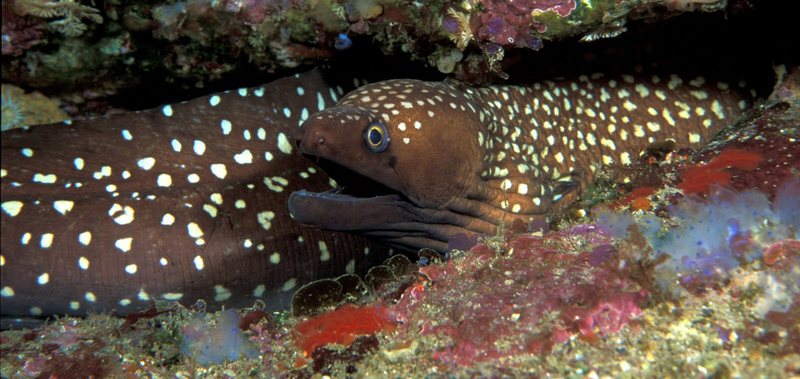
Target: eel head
{"x":409,"y":165}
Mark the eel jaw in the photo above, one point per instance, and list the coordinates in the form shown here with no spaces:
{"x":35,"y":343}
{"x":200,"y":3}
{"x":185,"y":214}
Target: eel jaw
{"x":362,"y":205}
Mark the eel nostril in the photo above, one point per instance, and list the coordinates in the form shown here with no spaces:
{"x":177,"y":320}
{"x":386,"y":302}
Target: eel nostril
{"x":320,"y":140}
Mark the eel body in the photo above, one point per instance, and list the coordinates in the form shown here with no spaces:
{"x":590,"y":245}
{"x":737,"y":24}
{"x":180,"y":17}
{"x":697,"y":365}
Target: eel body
{"x":181,"y":203}
{"x":428,"y":160}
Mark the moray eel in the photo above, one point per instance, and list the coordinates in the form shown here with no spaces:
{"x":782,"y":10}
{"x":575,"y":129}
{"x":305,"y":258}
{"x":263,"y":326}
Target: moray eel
{"x":178,"y":203}
{"x":423,"y":161}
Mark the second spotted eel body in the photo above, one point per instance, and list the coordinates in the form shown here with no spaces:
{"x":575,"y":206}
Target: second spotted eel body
{"x":428,"y":160}
{"x":178,"y":203}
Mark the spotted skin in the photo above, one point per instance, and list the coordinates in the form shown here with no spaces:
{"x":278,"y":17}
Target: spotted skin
{"x":460,"y":159}
{"x":183,"y":202}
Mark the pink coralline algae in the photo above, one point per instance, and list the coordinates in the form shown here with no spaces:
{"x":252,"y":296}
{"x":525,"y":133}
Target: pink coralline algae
{"x":539,"y":292}
{"x":510,"y":23}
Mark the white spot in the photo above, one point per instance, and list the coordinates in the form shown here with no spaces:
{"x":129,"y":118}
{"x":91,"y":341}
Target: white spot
{"x":417,"y":125}
{"x":283,"y":144}
{"x":131,"y":269}
{"x":46,"y":241}
{"x":78,"y":162}
{"x":199,"y":147}
{"x":126,"y":174}
{"x":63,"y":206}
{"x":167,"y":110}
{"x":289,"y":285}
{"x":522,"y":189}
{"x":176,"y":145}
{"x":226,"y":126}
{"x":45,"y":179}
{"x":125,"y":218}
{"x":7,"y":292}
{"x":163,"y":261}
{"x":43,"y":279}
{"x":124,"y":244}
{"x":401,"y":126}
{"x":104,"y":171}
{"x":716,"y":107}
{"x":242,"y":92}
{"x":625,"y":158}
{"x":198,"y":263}
{"x":642,"y":90}
{"x":324,"y":253}
{"x":303,"y":116}
{"x":85,"y":238}
{"x":320,"y":102}
{"x":259,"y":91}
{"x":193,"y":178}
{"x":90,"y":297}
{"x":83,"y":263}
{"x":74,"y":305}
{"x":173,"y":296}
{"x":142,"y":295}
{"x":146,"y":163}
{"x":275,"y":258}
{"x":245,"y":157}
{"x":259,"y":290}
{"x":164,"y":180}
{"x":35,"y":311}
{"x":214,"y":100}
{"x":27,"y":152}
{"x":216,"y":198}
{"x":219,"y":170}
{"x":265,"y":219}
{"x":126,"y":134}
{"x":25,"y":238}
{"x":167,"y":219}
{"x":222,"y":293}
{"x":194,"y":230}
{"x":406,"y":140}
{"x":287,"y":112}
{"x":125,"y":302}
{"x":12,"y":208}
{"x":240,"y":204}
{"x":268,"y":156}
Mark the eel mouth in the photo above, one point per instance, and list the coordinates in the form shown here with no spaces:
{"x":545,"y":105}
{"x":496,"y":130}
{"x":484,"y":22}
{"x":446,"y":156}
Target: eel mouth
{"x":350,"y":182}
{"x":365,"y":206}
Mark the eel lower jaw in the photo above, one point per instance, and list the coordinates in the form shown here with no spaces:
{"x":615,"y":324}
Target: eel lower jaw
{"x":362,"y":205}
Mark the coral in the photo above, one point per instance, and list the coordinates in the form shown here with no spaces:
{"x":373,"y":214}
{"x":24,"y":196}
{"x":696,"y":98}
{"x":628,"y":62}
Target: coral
{"x":510,"y":23}
{"x":704,"y":240}
{"x":70,"y":13}
{"x":218,"y":343}
{"x":487,"y":306}
{"x":19,"y":33}
{"x":21,"y":109}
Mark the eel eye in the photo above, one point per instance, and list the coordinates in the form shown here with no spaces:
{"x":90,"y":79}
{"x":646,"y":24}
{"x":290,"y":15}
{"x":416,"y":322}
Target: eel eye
{"x":377,"y":137}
